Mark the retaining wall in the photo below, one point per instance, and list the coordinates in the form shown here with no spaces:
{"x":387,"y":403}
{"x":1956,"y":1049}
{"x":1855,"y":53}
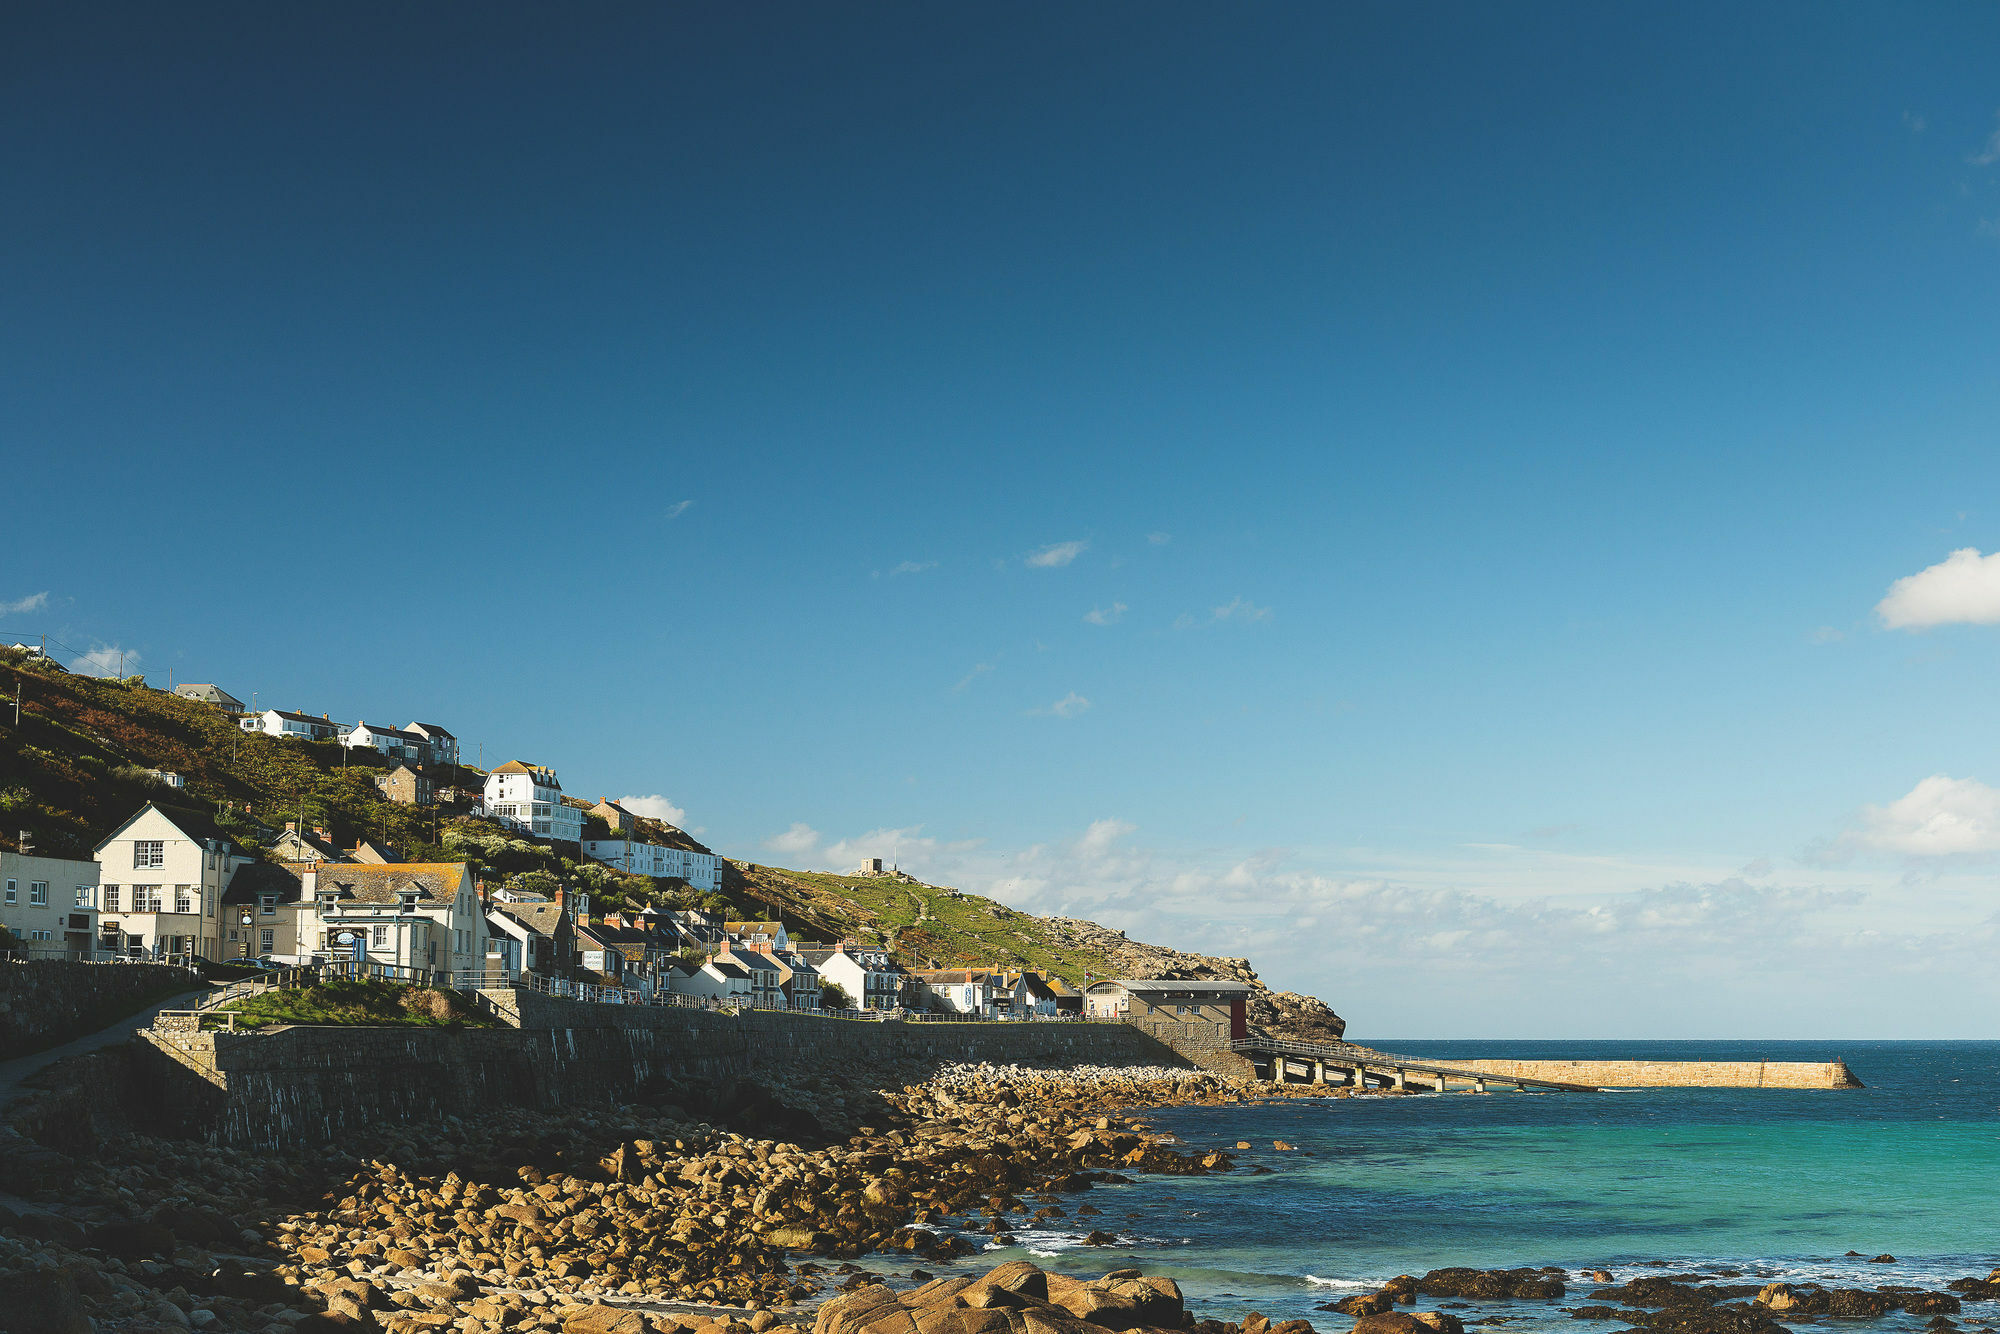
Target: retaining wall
{"x":44,"y":1002}
{"x":266,"y":1089}
{"x":1675,"y":1074}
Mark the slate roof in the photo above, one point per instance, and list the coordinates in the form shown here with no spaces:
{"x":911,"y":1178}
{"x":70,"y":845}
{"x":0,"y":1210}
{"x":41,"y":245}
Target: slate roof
{"x":255,"y":878}
{"x":364,"y":883}
{"x":1190,"y":986}
{"x":432,"y":730}
{"x":193,"y":824}
{"x":541,"y":918}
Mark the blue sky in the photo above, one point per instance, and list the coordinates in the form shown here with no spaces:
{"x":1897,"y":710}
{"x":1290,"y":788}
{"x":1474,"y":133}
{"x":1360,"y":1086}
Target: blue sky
{"x":1407,"y":494}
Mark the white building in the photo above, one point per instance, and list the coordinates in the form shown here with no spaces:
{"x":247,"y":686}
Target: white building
{"x":49,"y":903}
{"x":528,"y":797}
{"x":421,"y":915}
{"x":160,"y":878}
{"x":720,"y":979}
{"x":301,"y":726}
{"x":391,"y":741}
{"x":960,"y":990}
{"x":870,"y":977}
{"x":702,"y":870}
{"x":443,"y":745}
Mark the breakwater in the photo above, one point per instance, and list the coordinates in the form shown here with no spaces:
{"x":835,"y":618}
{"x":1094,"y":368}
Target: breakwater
{"x":1674,"y":1074}
{"x":269,"y":1088}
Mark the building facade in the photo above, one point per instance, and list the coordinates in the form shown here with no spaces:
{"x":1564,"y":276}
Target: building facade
{"x":405,"y":785}
{"x":160,"y":878}
{"x":870,"y":977}
{"x":49,"y":904}
{"x":529,"y":797}
{"x":441,"y":746}
{"x":205,"y":693}
{"x":702,"y":870}
{"x":1217,"y":1011}
{"x":298,"y":726}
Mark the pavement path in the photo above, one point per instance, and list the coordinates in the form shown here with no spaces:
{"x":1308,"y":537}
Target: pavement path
{"x":14,"y":1073}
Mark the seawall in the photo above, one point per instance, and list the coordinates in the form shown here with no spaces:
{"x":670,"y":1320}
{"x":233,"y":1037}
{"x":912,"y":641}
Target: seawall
{"x":1675,"y":1074}
{"x":276,"y":1087}
{"x":44,"y":1002}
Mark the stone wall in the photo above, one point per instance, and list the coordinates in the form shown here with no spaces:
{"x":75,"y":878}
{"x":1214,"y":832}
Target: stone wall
{"x":304,"y":1085}
{"x":1675,"y":1074}
{"x":44,"y":1002}
{"x":1203,"y":1045}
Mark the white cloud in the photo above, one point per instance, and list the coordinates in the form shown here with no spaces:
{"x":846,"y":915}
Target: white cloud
{"x":32,"y":602}
{"x":107,"y":660}
{"x":655,"y":807}
{"x":979,"y":669}
{"x":1106,"y":615}
{"x":913,"y":567}
{"x":1097,"y":840}
{"x":1963,"y":588}
{"x":1159,"y":539}
{"x":1938,"y":817}
{"x":1184,"y":621}
{"x":1056,"y":555}
{"x":1826,"y":634}
{"x":1990,"y":152}
{"x":1069,"y":706}
{"x":1915,"y":122}
{"x":797,"y":841}
{"x":891,"y":845}
{"x":678,"y":508}
{"x":1241,"y":609}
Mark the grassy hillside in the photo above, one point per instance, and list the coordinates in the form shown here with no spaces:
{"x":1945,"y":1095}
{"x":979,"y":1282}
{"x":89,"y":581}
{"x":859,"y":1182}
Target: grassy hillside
{"x":924,"y":925}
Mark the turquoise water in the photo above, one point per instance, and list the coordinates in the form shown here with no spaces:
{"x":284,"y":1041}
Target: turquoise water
{"x":1774,"y":1183}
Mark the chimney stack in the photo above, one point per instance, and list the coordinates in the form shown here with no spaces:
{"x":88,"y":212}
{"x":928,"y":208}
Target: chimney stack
{"x":27,"y":842}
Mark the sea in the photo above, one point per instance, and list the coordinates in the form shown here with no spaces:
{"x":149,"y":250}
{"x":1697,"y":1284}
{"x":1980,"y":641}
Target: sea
{"x":1733,"y":1185}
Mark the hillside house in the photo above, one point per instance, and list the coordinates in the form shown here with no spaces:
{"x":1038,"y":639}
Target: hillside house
{"x":214,"y":695}
{"x":530,"y":934}
{"x":160,"y":878}
{"x":405,"y":785}
{"x":260,"y":911}
{"x":391,"y":741}
{"x":304,"y":845}
{"x":527,"y":796}
{"x":1217,"y":1010}
{"x":701,"y":870}
{"x":49,"y":904}
{"x":297,"y":726}
{"x":616,"y":818}
{"x":758,"y":933}
{"x":869,"y":975}
{"x":959,"y":990}
{"x":440,"y":746}
{"x":421,"y":915}
{"x":371,"y":852}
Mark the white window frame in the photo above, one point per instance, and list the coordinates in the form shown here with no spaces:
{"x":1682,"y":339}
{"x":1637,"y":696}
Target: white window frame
{"x":38,"y":893}
{"x":148,"y":853}
{"x":143,"y":895}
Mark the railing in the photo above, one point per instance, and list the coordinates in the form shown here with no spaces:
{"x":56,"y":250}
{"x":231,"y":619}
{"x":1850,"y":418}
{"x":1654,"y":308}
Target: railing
{"x":194,"y":1021}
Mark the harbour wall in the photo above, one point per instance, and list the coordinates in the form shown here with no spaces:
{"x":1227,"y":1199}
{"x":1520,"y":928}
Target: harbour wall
{"x":45,"y":1002}
{"x":1674,"y":1074}
{"x":282,"y":1086}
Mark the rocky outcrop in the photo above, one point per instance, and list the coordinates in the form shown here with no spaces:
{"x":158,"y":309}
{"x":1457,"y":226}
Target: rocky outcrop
{"x":1280,"y":1013}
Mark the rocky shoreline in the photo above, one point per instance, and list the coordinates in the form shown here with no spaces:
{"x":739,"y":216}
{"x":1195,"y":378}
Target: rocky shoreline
{"x":710,"y":1210}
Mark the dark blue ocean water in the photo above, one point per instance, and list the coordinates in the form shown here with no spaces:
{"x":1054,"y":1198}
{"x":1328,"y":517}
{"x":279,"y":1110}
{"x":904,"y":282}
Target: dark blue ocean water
{"x":1775,"y":1183}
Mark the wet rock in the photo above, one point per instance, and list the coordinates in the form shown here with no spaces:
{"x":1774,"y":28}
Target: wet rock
{"x":1931,"y":1303}
{"x":131,"y":1240}
{"x":41,"y":1302}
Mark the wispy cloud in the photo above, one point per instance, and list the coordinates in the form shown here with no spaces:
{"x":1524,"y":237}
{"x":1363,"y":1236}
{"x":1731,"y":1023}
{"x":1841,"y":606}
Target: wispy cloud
{"x":798,"y":841}
{"x":1069,"y":706}
{"x":913,"y":567}
{"x":32,"y":602}
{"x":678,"y":508}
{"x":979,"y":669}
{"x":1915,"y":122}
{"x":1106,"y":615}
{"x":655,"y":807}
{"x":1963,"y":588}
{"x":107,"y":660}
{"x":1242,"y":609}
{"x":1159,"y":539}
{"x":1057,"y":554}
{"x":1989,"y":153}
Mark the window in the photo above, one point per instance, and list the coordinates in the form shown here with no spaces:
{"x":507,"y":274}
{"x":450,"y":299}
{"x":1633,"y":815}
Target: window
{"x":208,"y":903}
{"x":265,"y":938}
{"x":38,"y":893}
{"x":381,"y":936}
{"x":145,"y":898}
{"x":83,"y":895}
{"x":148,"y":852}
{"x":10,"y":891}
{"x":184,"y":898}
{"x":111,"y":898}
{"x":267,"y":905}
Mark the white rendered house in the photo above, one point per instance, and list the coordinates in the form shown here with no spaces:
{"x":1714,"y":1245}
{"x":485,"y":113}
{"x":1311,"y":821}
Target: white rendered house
{"x":300,"y":726}
{"x":391,"y":741}
{"x":160,"y":878}
{"x":443,"y":745}
{"x":49,"y":903}
{"x":528,"y":797}
{"x":700,"y":869}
